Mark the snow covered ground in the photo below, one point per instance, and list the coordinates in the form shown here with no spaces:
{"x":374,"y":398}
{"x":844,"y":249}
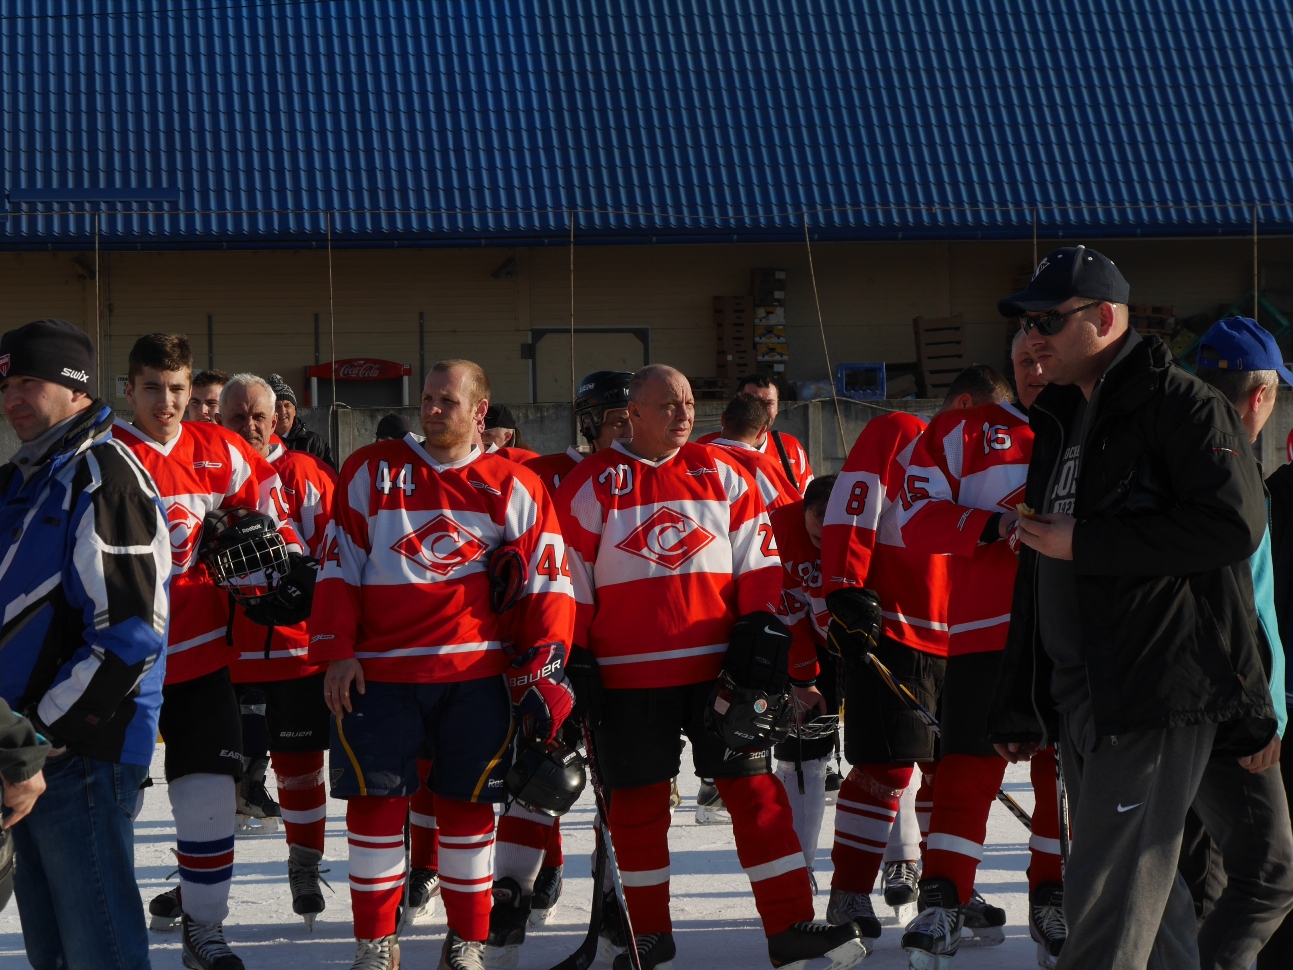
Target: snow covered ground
{"x":714,"y":917}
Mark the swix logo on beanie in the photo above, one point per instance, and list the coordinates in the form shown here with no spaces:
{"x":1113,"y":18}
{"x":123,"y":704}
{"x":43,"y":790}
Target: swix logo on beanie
{"x":49,"y":350}
{"x":76,"y":375}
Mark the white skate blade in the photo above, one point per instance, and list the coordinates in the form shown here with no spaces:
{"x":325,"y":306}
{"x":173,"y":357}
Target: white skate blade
{"x":900,"y":915}
{"x":269,"y":824}
{"x":708,"y":815}
{"x":845,"y":955}
{"x":246,"y":825}
{"x":539,"y":916}
{"x":423,"y":912}
{"x":163,"y":924}
{"x":924,"y":960}
{"x":309,"y":921}
{"x":502,"y":957}
{"x":1044,"y":959}
{"x":983,"y":936}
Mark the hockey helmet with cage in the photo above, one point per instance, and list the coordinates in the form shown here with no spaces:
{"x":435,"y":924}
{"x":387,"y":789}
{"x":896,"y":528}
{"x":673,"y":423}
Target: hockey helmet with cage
{"x":247,"y":558}
{"x":547,"y":778}
{"x":750,"y":708}
{"x":599,"y":392}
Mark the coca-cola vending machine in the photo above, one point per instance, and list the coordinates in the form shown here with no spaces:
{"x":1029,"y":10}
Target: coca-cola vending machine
{"x":362,"y":382}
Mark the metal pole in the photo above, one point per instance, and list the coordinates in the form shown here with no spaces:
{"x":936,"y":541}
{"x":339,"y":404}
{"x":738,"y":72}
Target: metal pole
{"x":210,"y":342}
{"x":574,"y":390}
{"x":821,"y":325}
{"x":422,"y":351}
{"x":1257,"y":298}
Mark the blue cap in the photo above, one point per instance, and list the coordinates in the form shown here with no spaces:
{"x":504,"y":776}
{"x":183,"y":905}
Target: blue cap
{"x":1241,"y":343}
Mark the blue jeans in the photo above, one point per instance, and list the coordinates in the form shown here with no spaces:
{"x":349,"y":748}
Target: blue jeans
{"x":75,"y":879}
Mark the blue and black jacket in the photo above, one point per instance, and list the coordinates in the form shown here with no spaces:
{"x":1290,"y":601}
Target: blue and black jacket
{"x":85,"y":559}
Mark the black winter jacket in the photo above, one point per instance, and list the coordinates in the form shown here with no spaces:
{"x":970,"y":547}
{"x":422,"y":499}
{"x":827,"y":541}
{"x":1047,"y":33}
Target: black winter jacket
{"x":1169,"y":507}
{"x":301,"y":438}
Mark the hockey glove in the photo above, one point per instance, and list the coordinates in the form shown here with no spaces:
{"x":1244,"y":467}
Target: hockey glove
{"x":586,"y":679}
{"x":291,"y":600}
{"x":758,"y":653}
{"x":541,"y":694}
{"x":855,"y":619}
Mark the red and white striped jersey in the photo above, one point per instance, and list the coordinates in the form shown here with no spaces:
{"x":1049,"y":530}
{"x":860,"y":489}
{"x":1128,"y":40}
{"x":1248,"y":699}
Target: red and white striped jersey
{"x":766,"y":471}
{"x":968,"y":465}
{"x":404,"y":587}
{"x":795,"y":453}
{"x":309,"y":487}
{"x":862,"y":543}
{"x":551,"y":469}
{"x":665,"y":556}
{"x":804,"y":611}
{"x":202,"y":468}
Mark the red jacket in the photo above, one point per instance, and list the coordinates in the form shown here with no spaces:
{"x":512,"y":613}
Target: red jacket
{"x":551,"y":469}
{"x":404,"y":587}
{"x":665,"y":556}
{"x":766,"y":471}
{"x":967,"y":466}
{"x":862,"y":544}
{"x":795,"y":452}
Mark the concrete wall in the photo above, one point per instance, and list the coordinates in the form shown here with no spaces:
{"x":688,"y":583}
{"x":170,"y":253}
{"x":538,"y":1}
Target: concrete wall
{"x":262,"y":305}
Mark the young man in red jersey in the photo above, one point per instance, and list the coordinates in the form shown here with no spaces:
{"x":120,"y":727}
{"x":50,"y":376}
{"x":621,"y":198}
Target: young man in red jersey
{"x":669,"y":545}
{"x":204,"y":397}
{"x":601,"y":408}
{"x":198,"y":467}
{"x":745,"y":426}
{"x":783,"y":448}
{"x":272,"y":671}
{"x":862,"y":550}
{"x":966,"y":476}
{"x":415,"y":654}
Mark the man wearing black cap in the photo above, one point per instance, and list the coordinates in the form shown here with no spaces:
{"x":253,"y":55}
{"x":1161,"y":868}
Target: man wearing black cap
{"x":296,"y":435}
{"x":501,"y":436}
{"x":1133,"y":634}
{"x":84,"y":558}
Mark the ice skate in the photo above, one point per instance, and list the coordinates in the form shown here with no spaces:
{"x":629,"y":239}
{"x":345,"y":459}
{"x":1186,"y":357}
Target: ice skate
{"x":164,"y":911}
{"x":675,"y":799}
{"x":655,"y":952}
{"x":204,"y":947}
{"x":547,"y":890}
{"x":1046,"y":922}
{"x":507,"y":921}
{"x":424,"y":890}
{"x":833,"y":781}
{"x":304,"y":879}
{"x":610,"y":936}
{"x":984,"y":921}
{"x":460,"y":954}
{"x":383,"y":954}
{"x":710,"y":809}
{"x":901,"y":881}
{"x":257,"y":812}
{"x":934,"y":936}
{"x":843,"y":945}
{"x":855,"y":908}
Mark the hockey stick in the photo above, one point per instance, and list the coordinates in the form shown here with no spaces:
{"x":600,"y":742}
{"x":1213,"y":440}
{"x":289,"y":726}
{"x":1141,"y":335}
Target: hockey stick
{"x":1062,"y":805}
{"x":886,"y":675}
{"x":587,"y":952}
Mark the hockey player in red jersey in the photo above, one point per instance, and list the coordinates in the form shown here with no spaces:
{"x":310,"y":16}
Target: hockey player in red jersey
{"x":669,"y":545}
{"x":403,"y":618}
{"x":198,"y":467}
{"x":966,"y":476}
{"x":745,"y":426}
{"x":501,"y":437}
{"x":783,"y":448}
{"x":866,"y":568}
{"x":601,"y":408}
{"x":272,"y":665}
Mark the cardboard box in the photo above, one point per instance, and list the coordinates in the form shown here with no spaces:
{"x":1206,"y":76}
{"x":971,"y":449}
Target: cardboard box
{"x":732,"y":366}
{"x":770,"y":314}
{"x":733,"y":339}
{"x":733,"y":309}
{"x":776,"y":351}
{"x":769,"y":333}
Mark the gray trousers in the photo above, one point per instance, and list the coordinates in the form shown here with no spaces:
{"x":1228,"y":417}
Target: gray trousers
{"x":1126,"y":906}
{"x":1247,"y":817}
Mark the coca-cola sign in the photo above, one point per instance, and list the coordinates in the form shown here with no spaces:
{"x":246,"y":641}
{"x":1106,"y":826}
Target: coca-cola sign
{"x":362,"y":369}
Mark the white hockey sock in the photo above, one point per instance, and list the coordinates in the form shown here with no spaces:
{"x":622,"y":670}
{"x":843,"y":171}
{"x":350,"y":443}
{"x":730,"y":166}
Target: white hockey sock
{"x":203,"y":806}
{"x":520,"y":846}
{"x":809,"y":807}
{"x":904,"y":837}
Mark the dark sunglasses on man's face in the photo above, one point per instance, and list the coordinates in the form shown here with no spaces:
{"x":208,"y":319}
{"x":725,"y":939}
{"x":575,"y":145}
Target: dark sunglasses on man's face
{"x":1049,"y":324}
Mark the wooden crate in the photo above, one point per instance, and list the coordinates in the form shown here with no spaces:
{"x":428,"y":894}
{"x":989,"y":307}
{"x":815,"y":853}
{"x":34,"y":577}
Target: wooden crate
{"x":940,"y":351}
{"x":710,"y":388}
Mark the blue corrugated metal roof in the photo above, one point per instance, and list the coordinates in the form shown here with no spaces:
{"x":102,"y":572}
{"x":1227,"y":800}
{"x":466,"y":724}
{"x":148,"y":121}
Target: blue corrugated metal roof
{"x":453,"y":122}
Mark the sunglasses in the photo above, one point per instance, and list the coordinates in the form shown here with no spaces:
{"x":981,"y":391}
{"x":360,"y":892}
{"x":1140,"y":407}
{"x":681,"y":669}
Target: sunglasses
{"x":1049,"y":324}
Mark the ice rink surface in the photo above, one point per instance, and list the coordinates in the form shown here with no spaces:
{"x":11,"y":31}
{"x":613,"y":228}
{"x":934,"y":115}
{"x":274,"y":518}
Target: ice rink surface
{"x":715,"y":922}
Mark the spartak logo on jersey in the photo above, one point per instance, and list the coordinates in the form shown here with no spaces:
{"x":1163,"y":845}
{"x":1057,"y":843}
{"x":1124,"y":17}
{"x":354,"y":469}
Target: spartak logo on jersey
{"x":440,"y":546}
{"x":668,"y":538}
{"x":1014,"y":498}
{"x":186,"y":532}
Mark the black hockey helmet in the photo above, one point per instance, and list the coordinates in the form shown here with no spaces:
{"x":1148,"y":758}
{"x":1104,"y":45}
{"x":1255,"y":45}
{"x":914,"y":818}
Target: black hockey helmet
{"x":599,"y":392}
{"x":747,"y":720}
{"x":244,"y":552}
{"x":547,"y":779}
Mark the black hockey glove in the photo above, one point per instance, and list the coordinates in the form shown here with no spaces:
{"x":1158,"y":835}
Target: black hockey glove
{"x":291,"y":600}
{"x":758,"y":653}
{"x":855,"y":620}
{"x":586,"y":678}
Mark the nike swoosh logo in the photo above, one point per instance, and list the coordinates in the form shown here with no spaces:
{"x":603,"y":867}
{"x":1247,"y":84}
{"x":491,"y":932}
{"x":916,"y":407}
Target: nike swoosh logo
{"x":1128,"y":808}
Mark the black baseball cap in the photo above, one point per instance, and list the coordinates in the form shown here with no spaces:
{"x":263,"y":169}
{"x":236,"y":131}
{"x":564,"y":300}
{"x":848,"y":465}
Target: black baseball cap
{"x":1066,"y":273}
{"x":499,"y":417}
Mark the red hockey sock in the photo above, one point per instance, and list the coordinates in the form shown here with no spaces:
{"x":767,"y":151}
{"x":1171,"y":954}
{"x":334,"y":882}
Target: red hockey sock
{"x":769,"y":850}
{"x":1044,"y":845}
{"x":301,"y":796}
{"x":553,"y":856}
{"x":375,"y":828}
{"x":963,"y":794}
{"x":640,"y":830}
{"x":925,"y":800}
{"x":865,"y":809}
{"x":522,"y":838}
{"x":424,"y":845}
{"x":466,"y":865}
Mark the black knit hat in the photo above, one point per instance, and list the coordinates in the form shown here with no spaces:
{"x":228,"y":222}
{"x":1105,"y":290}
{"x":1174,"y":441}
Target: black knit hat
{"x":51,"y":350}
{"x":392,"y":426}
{"x":282,"y":390}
